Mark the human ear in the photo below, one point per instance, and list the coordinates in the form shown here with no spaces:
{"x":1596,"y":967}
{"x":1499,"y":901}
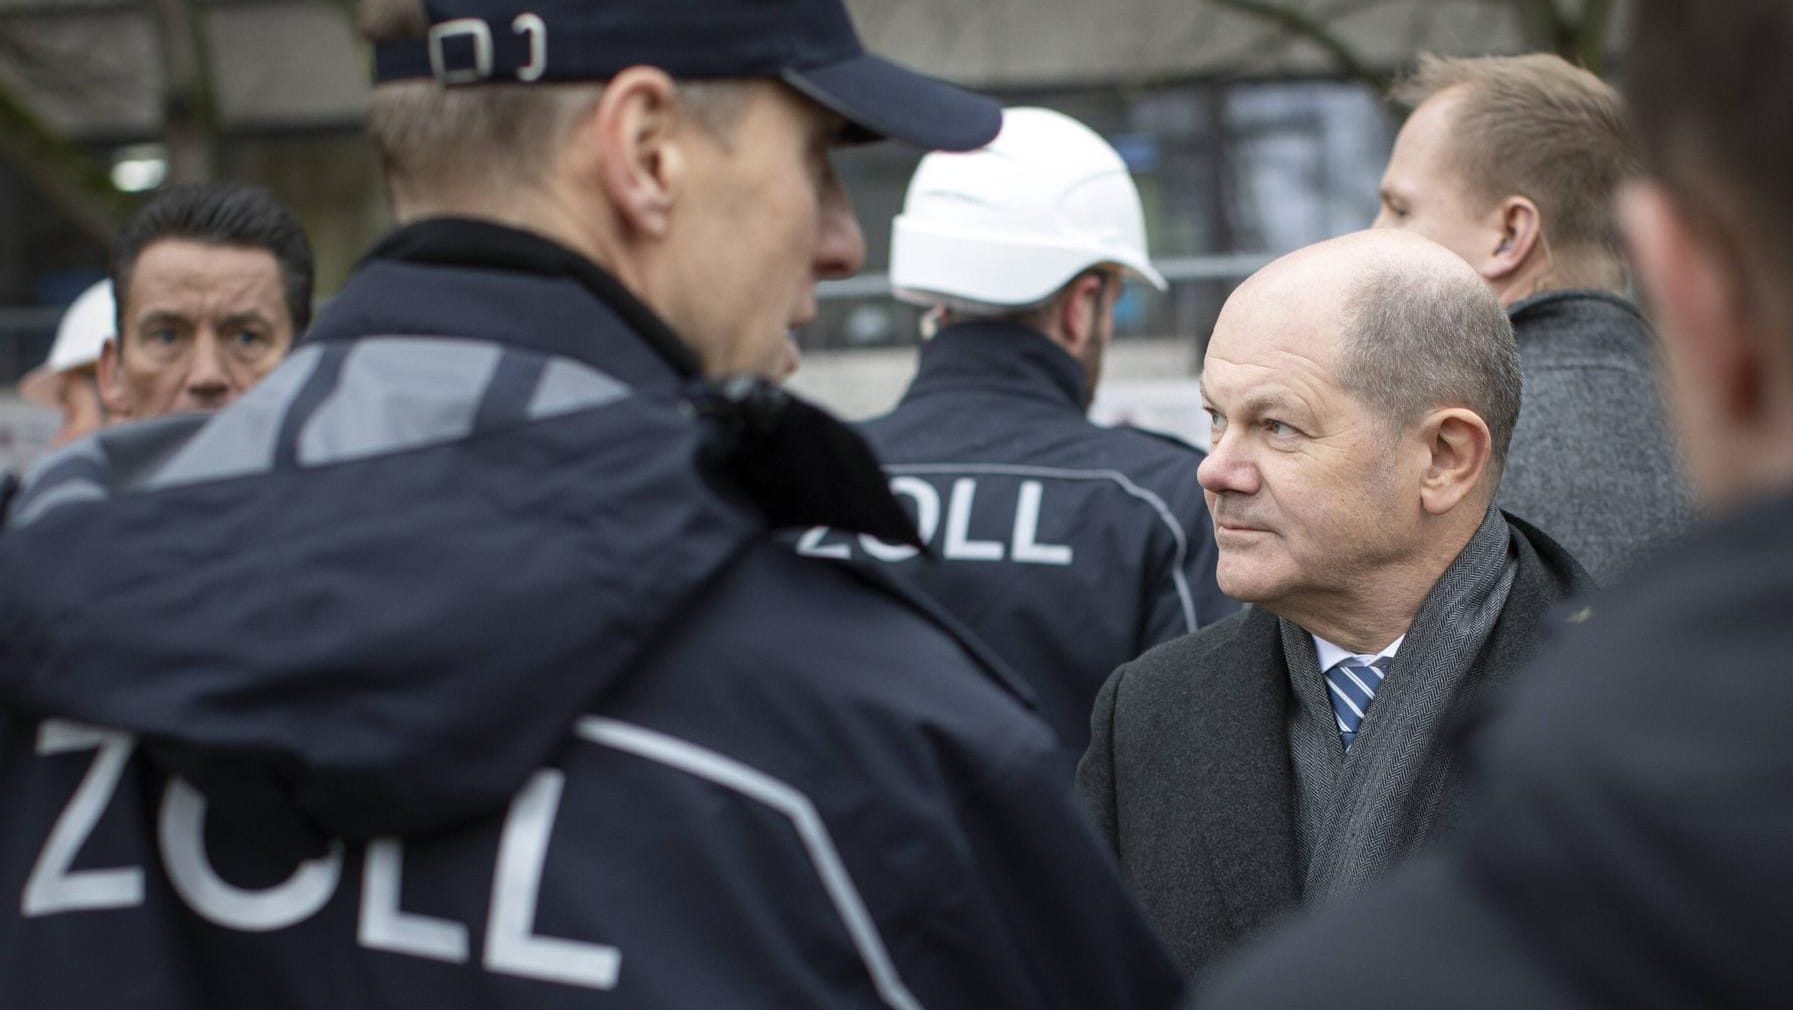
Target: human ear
{"x":632,"y":143}
{"x":1458,"y":448}
{"x":1518,"y":230}
{"x":108,"y":370}
{"x":1076,"y":311}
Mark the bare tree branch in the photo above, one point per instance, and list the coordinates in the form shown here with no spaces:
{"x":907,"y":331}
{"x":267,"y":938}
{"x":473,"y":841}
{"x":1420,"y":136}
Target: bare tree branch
{"x":1280,"y":42}
{"x":1316,"y":31}
{"x":1541,"y":24}
{"x":63,"y":173}
{"x":1592,"y":33}
{"x":1580,"y":38}
{"x":75,"y":72}
{"x":189,"y":105}
{"x":1419,"y":26}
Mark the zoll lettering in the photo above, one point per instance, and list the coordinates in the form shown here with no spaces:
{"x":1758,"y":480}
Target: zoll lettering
{"x":953,"y":538}
{"x":512,"y":946}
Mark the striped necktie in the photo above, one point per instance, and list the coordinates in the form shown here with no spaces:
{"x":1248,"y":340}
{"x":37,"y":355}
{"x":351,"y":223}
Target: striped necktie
{"x":1352,"y":684}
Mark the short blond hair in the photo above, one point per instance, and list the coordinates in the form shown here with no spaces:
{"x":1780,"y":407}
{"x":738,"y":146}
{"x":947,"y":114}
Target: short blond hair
{"x":1539,"y":127}
{"x":434,"y":140}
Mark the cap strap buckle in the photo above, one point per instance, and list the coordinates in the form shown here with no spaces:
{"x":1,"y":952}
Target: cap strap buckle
{"x":481,"y":35}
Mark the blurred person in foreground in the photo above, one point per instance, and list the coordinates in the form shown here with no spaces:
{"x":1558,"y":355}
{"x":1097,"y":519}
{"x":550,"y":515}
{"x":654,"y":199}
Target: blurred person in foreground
{"x":1068,"y":546}
{"x":1512,"y":162}
{"x":1629,"y":846}
{"x":1362,"y":392}
{"x":68,"y":380}
{"x":458,"y":663}
{"x":214,"y":284}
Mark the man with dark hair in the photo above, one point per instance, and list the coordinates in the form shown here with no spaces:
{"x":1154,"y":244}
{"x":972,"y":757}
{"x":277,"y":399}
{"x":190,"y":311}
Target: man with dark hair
{"x":461,"y":663}
{"x":1629,"y":845}
{"x":213,"y":283}
{"x":1363,"y":392}
{"x":1511,"y":162}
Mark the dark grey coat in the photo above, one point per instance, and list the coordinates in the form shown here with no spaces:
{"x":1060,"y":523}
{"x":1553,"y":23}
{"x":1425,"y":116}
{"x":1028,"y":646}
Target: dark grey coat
{"x":1591,"y":462}
{"x":1188,"y":772}
{"x":1629,"y":846}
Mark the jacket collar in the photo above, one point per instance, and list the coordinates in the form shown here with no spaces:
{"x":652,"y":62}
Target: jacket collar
{"x":437,"y":277}
{"x":453,"y":277}
{"x":1568,"y":302}
{"x":1000,"y":357}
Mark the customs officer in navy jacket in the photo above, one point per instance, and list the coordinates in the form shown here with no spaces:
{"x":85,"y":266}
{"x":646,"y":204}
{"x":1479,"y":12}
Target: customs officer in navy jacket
{"x":1068,"y":547}
{"x":458,"y":664}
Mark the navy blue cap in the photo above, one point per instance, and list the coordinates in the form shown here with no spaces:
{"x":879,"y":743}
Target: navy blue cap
{"x":808,"y":44}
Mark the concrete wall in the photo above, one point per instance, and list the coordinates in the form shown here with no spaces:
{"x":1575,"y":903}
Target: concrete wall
{"x":1013,"y":43}
{"x":297,"y":63}
{"x":279,"y":64}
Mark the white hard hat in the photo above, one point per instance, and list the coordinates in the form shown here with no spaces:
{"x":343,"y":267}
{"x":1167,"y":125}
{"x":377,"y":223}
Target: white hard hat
{"x":1010,"y":224}
{"x":83,"y":331}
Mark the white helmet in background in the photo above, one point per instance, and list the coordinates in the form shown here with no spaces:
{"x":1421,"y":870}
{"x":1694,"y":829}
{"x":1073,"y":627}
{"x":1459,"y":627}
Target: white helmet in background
{"x":1010,"y":224}
{"x":80,"y":335}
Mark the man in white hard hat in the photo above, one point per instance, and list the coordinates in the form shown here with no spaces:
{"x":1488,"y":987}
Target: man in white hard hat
{"x":1068,"y":547}
{"x":67,"y":381}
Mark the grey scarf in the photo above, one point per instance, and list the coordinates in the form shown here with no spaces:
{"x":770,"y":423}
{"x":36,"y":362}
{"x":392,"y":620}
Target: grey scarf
{"x":1357,"y":814}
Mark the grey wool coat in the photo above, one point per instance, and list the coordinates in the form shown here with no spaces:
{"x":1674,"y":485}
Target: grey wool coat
{"x":1189,"y":774}
{"x":1592,"y":462}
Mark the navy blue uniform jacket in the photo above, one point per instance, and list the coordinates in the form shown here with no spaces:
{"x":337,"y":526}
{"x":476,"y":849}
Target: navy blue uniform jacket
{"x":441,"y":670}
{"x":1068,"y":547}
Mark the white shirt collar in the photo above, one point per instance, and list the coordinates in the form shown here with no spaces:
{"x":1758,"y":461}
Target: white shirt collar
{"x":1330,"y":654}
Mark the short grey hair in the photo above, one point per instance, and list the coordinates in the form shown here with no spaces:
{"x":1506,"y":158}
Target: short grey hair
{"x":1034,"y":316}
{"x":1416,"y":341}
